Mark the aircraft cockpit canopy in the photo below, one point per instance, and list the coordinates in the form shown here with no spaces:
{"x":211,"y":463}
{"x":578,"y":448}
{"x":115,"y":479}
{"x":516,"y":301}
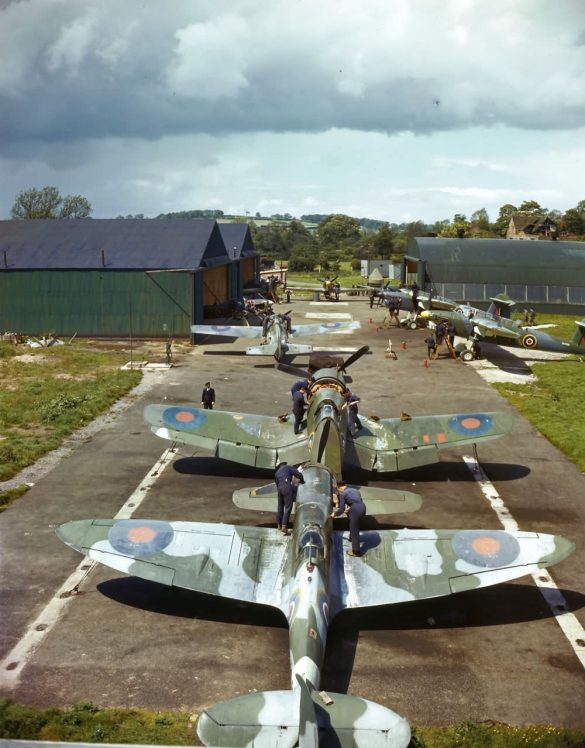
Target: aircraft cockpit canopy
{"x":311,"y":544}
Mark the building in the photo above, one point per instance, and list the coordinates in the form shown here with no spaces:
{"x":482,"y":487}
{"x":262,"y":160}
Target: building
{"x":531,"y":227}
{"x":149,"y":278}
{"x":545,"y":275}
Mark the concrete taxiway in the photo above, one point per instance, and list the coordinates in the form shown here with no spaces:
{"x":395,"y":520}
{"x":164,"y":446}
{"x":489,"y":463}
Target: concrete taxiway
{"x":495,"y":654}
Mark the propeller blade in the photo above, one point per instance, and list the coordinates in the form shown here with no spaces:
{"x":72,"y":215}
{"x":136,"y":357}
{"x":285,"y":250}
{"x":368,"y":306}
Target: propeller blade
{"x":354,"y":357}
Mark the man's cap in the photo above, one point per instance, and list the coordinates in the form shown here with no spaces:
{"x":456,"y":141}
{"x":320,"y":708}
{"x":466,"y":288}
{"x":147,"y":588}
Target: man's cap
{"x":207,"y":384}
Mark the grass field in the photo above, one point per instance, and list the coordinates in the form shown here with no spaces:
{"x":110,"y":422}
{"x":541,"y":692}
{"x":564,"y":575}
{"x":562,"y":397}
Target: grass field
{"x":47,"y":393}
{"x":86,"y":723}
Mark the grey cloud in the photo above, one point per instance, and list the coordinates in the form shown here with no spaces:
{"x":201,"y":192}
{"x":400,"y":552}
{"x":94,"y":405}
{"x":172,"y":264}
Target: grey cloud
{"x":144,"y":70}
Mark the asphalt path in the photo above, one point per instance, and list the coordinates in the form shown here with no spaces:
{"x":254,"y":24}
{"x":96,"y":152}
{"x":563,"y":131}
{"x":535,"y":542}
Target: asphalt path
{"x":494,"y":654}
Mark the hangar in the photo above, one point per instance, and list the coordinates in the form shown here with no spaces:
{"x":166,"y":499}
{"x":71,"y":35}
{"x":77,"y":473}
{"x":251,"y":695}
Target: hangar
{"x":116,"y":277}
{"x":546,"y":275}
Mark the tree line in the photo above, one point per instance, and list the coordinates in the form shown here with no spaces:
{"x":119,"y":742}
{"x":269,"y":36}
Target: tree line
{"x":338,"y":237}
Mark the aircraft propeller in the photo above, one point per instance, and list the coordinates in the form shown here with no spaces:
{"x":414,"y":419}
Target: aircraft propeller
{"x":354,"y":357}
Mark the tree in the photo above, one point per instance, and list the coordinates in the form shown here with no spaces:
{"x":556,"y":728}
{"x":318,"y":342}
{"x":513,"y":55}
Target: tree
{"x":459,"y":227}
{"x":480,"y":219}
{"x":338,"y":229}
{"x":532,"y":208}
{"x":302,"y":259}
{"x":573,"y":222}
{"x":506,"y":212}
{"x":48,"y":203}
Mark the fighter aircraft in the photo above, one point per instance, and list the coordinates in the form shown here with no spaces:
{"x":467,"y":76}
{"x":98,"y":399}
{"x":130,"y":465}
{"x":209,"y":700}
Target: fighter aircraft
{"x":406,"y":294}
{"x":277,"y":339}
{"x":310,"y":579}
{"x":329,"y":287}
{"x":496,"y":326}
{"x":383,"y":445}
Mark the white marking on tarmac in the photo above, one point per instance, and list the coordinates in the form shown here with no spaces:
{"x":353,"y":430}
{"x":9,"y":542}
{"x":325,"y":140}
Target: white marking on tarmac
{"x":328,"y":303}
{"x":13,"y":664}
{"x":569,"y":624}
{"x":328,"y":315}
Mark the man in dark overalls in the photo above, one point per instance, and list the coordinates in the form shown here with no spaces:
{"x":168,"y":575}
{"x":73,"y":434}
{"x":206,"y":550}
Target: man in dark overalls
{"x":283,"y":478}
{"x":352,"y":504}
{"x":302,"y":384}
{"x":298,"y":408}
{"x":353,"y":422}
{"x":208,"y":396}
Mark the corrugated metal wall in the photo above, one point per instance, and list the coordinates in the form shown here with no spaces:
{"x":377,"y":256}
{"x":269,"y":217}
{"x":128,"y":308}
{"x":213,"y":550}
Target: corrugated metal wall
{"x":96,"y":302}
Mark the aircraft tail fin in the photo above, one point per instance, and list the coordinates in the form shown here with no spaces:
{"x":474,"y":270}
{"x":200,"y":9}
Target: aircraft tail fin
{"x":578,"y":338}
{"x":302,"y":717}
{"x":377,"y":500}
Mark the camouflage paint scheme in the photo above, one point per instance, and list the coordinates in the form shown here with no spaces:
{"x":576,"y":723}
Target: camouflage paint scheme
{"x":494,"y":326}
{"x":277,"y":337}
{"x":307,"y":575}
{"x":310,"y":579}
{"x":327,"y":287}
{"x":387,"y":445}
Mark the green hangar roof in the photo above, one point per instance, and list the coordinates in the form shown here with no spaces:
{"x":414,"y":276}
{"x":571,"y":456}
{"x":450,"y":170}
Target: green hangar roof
{"x":111,"y":244}
{"x":501,"y":261}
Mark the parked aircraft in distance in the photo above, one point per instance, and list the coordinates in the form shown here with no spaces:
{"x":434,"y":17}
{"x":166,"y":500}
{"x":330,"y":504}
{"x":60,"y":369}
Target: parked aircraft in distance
{"x":307,"y":575}
{"x":496,"y":326}
{"x":329,"y":287}
{"x":277,"y":339}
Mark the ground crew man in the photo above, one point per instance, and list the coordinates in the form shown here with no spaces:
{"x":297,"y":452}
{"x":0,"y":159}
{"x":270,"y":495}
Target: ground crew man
{"x":208,"y":396}
{"x":353,"y":422}
{"x":351,"y":503}
{"x":286,"y":493}
{"x":302,"y":384}
{"x":298,"y":408}
{"x":431,"y":346}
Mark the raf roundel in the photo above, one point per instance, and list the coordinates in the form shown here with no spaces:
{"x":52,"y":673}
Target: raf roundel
{"x":487,"y":549}
{"x":329,"y":325}
{"x":135,"y":537}
{"x":183,"y":418}
{"x":471,"y":424}
{"x":529,"y":341}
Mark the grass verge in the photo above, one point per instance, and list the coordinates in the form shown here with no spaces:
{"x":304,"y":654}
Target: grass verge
{"x":47,"y":393}
{"x":7,"y":497}
{"x":87,"y":723}
{"x":554,"y":404}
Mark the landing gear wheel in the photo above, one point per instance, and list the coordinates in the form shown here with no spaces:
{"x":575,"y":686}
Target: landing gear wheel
{"x":412,"y":326}
{"x":467,"y":356}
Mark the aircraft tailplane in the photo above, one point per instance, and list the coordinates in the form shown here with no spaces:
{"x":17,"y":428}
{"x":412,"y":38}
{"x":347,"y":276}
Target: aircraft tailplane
{"x":303,"y":717}
{"x":377,"y":500}
{"x":261,"y":350}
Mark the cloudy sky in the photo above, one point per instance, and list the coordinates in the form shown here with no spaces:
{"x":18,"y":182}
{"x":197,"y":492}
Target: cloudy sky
{"x":391,"y":109}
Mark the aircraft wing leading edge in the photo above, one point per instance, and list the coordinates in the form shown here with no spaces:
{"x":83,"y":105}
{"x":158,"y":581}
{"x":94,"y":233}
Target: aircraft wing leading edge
{"x":392,"y":444}
{"x":262,"y":441}
{"x":403,"y":565}
{"x":241,"y":563}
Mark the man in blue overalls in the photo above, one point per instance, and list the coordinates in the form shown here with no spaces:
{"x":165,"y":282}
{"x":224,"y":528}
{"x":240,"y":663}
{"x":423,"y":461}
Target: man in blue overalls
{"x":352,"y":504}
{"x":286,"y":493}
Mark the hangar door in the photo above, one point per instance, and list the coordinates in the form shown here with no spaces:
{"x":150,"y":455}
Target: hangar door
{"x":215,"y":285}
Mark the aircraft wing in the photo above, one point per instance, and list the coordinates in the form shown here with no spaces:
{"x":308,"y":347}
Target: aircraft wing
{"x":401,"y":565}
{"x":262,"y":441}
{"x":304,"y":286}
{"x":491,"y":329}
{"x":232,"y":331}
{"x":316,"y":329}
{"x":391,"y":444}
{"x":242,"y":563}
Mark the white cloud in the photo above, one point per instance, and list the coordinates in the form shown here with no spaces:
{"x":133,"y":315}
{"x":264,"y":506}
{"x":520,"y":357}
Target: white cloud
{"x":210,"y":59}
